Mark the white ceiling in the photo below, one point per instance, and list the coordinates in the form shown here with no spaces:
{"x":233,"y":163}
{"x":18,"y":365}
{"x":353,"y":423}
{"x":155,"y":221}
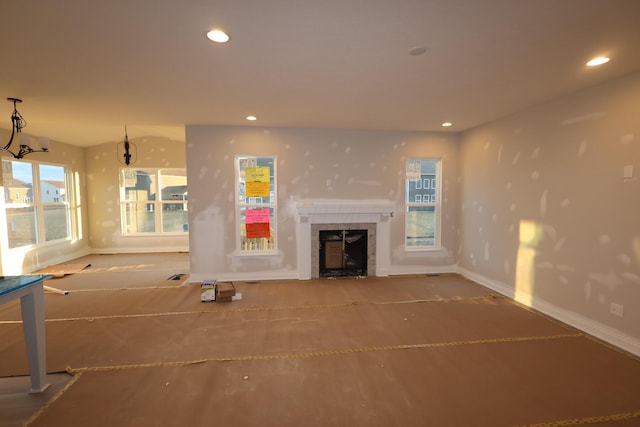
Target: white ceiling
{"x":85,"y":68}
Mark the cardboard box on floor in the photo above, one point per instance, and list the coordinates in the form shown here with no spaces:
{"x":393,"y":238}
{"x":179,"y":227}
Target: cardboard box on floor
{"x":225,"y":291}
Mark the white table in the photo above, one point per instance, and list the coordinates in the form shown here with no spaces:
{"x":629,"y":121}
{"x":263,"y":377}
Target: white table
{"x":31,"y":293}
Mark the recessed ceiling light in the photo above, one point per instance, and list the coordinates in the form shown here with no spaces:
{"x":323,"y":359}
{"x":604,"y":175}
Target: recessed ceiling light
{"x":447,"y":124}
{"x":598,"y":61}
{"x":218,"y":36}
{"x":252,"y":118}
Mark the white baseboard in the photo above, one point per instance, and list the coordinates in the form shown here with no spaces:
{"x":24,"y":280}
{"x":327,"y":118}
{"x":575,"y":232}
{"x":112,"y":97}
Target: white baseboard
{"x":138,"y":250}
{"x":596,"y":329}
{"x":65,"y":257}
{"x":244,"y":276}
{"x":294,"y":275}
{"x":400,"y":270}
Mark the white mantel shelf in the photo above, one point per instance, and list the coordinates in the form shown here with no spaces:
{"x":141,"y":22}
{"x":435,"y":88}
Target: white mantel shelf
{"x":312,"y":209}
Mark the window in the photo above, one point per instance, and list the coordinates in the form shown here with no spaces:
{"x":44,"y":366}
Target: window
{"x":33,"y":215}
{"x":153,"y":201}
{"x":256,"y":208}
{"x":422,"y":219}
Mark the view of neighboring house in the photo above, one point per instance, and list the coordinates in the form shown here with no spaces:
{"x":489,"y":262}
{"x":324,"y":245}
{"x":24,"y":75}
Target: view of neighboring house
{"x":52,"y":191}
{"x":17,"y":191}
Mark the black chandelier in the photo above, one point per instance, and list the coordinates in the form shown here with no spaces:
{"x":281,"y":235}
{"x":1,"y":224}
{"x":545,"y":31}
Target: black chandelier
{"x":25,"y":141}
{"x":127,"y":151}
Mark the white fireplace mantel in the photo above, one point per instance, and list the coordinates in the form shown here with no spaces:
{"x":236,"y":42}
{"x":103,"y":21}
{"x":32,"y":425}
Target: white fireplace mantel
{"x":343,"y":213}
{"x":315,"y":209}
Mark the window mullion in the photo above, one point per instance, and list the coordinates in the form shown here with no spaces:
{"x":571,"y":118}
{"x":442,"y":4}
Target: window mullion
{"x":38,"y":204}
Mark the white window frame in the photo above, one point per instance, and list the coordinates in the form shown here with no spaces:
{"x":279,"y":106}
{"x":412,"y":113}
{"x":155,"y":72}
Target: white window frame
{"x":433,"y":201}
{"x":39,"y":207}
{"x":263,"y":245}
{"x":155,"y":206}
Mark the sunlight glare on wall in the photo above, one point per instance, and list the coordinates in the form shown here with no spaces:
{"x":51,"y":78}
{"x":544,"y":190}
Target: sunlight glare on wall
{"x":530,"y":234}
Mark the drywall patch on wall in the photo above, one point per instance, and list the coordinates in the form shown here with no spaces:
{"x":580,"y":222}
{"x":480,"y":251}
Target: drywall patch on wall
{"x":624,"y":259}
{"x":583,"y":148}
{"x":202,"y":174}
{"x":559,"y":244}
{"x":588,"y":290}
{"x":535,"y":153}
{"x":543,"y":203}
{"x":516,"y":158}
{"x":631,"y":277}
{"x":609,"y":280}
{"x":583,"y":118}
{"x":604,"y":239}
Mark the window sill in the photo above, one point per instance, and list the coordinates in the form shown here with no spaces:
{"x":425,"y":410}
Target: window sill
{"x":425,"y":249}
{"x":254,"y":254}
{"x":155,"y":234}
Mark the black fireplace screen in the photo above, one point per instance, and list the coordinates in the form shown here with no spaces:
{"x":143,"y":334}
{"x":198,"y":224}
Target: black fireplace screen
{"x":343,"y":253}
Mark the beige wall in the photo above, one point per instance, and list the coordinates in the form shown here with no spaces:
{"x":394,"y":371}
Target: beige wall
{"x":330,"y":166}
{"x":103,"y":204}
{"x":26,"y":260}
{"x":547,"y":215}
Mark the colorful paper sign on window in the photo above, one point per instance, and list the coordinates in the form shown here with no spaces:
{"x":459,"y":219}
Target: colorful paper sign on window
{"x":257,"y":223}
{"x":254,"y":216}
{"x":257,"y":230}
{"x":257,"y":181}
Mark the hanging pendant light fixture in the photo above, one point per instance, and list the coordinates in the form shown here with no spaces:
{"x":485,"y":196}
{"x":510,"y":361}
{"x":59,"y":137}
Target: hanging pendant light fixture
{"x":127,"y":151}
{"x":26,"y":142}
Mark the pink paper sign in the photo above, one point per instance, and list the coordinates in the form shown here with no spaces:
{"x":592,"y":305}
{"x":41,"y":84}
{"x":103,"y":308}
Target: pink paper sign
{"x":257,"y":216}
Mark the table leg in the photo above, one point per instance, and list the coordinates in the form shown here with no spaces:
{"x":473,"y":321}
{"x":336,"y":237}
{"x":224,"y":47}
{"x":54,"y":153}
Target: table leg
{"x":34,"y":334}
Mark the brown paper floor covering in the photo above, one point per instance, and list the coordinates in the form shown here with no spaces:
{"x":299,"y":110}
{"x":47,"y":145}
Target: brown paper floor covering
{"x":406,"y":351}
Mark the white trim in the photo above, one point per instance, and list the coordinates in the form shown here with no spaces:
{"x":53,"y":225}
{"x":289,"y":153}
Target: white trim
{"x":245,"y":276}
{"x":139,"y":250}
{"x":344,"y":213}
{"x":598,"y":330}
{"x":402,"y":270}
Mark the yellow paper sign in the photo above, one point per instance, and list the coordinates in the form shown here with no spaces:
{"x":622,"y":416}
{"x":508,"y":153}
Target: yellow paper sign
{"x":257,"y":174}
{"x":257,"y":189}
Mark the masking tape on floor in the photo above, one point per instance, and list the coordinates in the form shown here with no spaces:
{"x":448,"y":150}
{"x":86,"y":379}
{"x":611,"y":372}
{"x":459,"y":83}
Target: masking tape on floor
{"x":588,"y":420}
{"x":76,"y":377}
{"x":137,"y":288}
{"x":326,"y":353}
{"x":77,"y":372}
{"x":251,"y":309}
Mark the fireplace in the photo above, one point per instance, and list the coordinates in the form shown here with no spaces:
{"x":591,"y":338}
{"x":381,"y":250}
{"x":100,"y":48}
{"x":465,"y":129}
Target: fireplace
{"x":343,"y":253}
{"x":314,"y":217}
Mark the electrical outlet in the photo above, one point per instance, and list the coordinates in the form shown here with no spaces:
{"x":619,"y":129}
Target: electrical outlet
{"x":616,"y":309}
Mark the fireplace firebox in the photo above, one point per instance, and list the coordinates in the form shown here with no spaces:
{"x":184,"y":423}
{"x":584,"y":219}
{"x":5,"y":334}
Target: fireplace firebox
{"x":343,"y":253}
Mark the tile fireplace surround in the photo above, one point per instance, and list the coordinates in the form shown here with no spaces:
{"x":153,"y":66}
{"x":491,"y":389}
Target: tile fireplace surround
{"x":315,"y":217}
